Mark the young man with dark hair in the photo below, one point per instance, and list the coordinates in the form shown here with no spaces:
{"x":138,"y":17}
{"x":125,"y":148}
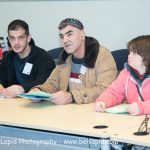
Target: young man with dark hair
{"x":26,"y":65}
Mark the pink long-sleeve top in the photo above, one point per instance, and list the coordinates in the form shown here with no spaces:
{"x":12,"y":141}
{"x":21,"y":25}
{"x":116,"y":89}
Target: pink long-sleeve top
{"x":124,"y":88}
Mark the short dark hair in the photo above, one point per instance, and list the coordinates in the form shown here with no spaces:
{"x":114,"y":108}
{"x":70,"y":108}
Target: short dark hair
{"x":16,"y":24}
{"x":141,"y":46}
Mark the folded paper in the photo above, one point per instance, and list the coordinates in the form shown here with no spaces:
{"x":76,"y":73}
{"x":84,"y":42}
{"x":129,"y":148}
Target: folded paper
{"x":118,"y":109}
{"x":37,"y":95}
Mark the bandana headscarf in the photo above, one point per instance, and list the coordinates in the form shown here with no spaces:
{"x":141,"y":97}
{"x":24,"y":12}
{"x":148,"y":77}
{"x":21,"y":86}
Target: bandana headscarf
{"x":72,"y":22}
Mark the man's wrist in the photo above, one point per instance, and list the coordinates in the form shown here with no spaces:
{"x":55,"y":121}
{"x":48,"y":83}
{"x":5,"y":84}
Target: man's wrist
{"x":22,"y":90}
{"x":38,"y":88}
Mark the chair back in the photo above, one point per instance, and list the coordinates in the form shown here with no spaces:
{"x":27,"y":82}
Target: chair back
{"x":54,"y":53}
{"x":121,"y":57}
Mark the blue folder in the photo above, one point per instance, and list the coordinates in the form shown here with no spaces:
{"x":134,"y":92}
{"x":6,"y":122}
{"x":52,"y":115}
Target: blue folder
{"x":37,"y":95}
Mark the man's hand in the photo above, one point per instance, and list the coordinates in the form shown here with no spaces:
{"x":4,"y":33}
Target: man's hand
{"x":61,"y":98}
{"x":12,"y":91}
{"x":99,"y":106}
{"x":34,"y":90}
{"x":133,"y":109}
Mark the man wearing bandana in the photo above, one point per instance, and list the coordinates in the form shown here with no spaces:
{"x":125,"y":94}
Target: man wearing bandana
{"x":84,"y":70}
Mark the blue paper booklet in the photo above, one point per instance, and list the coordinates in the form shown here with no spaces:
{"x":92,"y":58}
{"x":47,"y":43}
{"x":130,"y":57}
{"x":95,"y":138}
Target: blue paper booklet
{"x":118,"y":109}
{"x":37,"y":95}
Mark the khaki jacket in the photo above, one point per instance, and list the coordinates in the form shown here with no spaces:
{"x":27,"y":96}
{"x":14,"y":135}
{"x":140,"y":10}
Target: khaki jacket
{"x":95,"y":80}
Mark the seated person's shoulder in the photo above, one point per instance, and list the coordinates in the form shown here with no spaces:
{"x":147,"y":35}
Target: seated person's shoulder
{"x":104,"y":53}
{"x":38,"y":49}
{"x":103,"y":49}
{"x":43,"y":56}
{"x":40,"y":52}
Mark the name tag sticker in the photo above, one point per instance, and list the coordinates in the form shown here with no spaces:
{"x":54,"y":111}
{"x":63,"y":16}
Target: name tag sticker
{"x":27,"y":68}
{"x":83,"y":69}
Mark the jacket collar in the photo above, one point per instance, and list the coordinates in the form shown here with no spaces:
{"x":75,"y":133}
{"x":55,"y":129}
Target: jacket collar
{"x":91,"y":53}
{"x":135,"y":75}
